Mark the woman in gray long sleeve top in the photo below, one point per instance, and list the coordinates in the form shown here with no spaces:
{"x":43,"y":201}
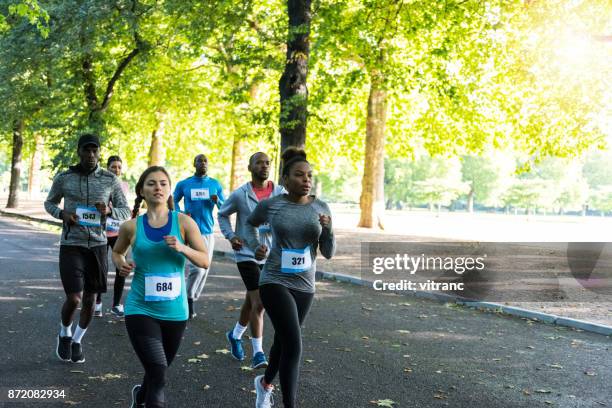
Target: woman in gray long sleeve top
{"x":300,"y":224}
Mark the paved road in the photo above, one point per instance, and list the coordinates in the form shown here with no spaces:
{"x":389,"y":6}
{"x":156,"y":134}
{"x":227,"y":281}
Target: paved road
{"x":360,"y":347}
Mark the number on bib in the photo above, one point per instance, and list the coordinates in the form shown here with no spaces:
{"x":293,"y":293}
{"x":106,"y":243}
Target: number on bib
{"x":113,"y":225}
{"x":200,"y":194}
{"x":162,"y":287}
{"x":295,"y":260}
{"x":88,"y":216}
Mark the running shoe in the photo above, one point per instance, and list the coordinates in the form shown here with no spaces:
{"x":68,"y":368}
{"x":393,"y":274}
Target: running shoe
{"x":77,"y":353}
{"x":118,"y":310}
{"x":63,"y":350}
{"x":135,"y":391}
{"x":259,"y":360}
{"x":235,"y":346}
{"x":98,"y":310}
{"x":264,"y":396}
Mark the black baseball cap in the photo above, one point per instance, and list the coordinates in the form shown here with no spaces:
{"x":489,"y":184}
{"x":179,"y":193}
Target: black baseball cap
{"x":88,"y":139}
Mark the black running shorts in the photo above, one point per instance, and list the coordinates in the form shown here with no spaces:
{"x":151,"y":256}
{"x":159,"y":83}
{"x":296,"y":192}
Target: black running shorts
{"x":249,"y":271}
{"x":83,"y":268}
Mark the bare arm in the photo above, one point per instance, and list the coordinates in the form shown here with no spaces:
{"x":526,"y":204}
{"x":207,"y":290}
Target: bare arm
{"x":124,"y":240}
{"x":194,"y":248}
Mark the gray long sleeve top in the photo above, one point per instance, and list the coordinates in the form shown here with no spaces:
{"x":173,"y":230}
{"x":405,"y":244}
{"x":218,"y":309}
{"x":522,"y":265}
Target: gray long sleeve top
{"x":80,"y":189}
{"x":296,"y":236}
{"x":242,"y":202}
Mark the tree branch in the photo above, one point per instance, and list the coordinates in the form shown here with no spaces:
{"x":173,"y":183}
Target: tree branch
{"x":120,"y":68}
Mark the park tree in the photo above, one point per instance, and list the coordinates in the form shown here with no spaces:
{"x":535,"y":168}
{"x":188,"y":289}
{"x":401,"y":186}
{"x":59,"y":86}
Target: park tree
{"x":25,"y":79}
{"x":292,"y":85}
{"x":242,"y":51}
{"x":485,"y":175}
{"x":415,"y":59}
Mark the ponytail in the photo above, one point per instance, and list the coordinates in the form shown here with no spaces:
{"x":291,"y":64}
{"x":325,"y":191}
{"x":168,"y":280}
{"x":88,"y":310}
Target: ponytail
{"x":137,"y":203}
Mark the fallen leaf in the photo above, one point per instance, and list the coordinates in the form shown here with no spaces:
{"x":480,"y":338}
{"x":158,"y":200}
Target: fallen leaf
{"x":404,"y":331}
{"x":543,"y":391}
{"x":206,"y":387}
{"x":77,"y":371}
{"x":203,"y":356}
{"x":222,"y":351}
{"x":193,"y":360}
{"x":590,"y":373}
{"x":557,"y":366}
{"x":246,"y":368}
{"x":384,"y":403}
{"x":106,"y":377}
{"x":309,"y":361}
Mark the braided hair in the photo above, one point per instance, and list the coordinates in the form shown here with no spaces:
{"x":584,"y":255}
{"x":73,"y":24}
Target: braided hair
{"x":140,"y":184}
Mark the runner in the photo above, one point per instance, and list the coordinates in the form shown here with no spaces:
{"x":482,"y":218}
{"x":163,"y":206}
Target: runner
{"x":86,"y":189}
{"x":242,"y":201}
{"x":201,"y":194}
{"x":300,"y":224}
{"x":114,"y":165}
{"x":156,"y":306}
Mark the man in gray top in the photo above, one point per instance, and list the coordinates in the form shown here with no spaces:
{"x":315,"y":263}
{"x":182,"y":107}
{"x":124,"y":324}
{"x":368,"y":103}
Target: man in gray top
{"x":241,"y":202}
{"x":86,"y":190}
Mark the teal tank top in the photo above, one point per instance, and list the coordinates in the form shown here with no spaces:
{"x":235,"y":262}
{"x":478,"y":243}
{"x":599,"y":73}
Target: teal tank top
{"x":158,"y":286}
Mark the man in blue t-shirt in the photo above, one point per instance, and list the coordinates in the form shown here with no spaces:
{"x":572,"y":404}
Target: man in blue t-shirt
{"x":201,"y":194}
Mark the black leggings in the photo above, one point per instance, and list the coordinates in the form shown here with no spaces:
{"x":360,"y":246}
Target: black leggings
{"x":156,"y":343}
{"x":287,"y":310}
{"x":119,"y":280}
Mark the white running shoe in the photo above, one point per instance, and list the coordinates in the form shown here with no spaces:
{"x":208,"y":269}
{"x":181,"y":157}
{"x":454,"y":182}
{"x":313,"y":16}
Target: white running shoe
{"x":264,"y":396}
{"x":118,"y":310}
{"x":98,"y":310}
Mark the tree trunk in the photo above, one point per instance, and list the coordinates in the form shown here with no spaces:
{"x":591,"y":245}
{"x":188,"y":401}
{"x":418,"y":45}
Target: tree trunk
{"x":34,"y":173}
{"x":238,"y":162}
{"x":14,"y":186}
{"x":292,"y":85}
{"x":470,"y":203}
{"x":157,"y":154}
{"x":318,"y":187}
{"x":372,"y":201}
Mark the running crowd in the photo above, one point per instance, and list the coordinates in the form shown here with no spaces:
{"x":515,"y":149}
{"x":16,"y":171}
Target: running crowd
{"x":276,"y":236}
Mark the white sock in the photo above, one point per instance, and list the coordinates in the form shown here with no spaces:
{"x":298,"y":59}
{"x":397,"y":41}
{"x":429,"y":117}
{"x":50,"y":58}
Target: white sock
{"x":65,"y":331}
{"x":238,"y":331}
{"x":257,"y":344}
{"x":78,"y":334}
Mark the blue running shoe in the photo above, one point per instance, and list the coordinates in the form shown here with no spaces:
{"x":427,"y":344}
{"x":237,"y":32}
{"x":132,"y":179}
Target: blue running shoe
{"x":235,"y":346}
{"x":259,"y":360}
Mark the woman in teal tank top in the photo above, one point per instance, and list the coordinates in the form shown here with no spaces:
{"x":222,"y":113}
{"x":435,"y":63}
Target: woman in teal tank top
{"x":156,"y":307}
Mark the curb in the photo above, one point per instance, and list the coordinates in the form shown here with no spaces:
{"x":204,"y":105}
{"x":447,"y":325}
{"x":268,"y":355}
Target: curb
{"x":484,"y":306}
{"x":29,"y":218}
{"x":439,"y":297}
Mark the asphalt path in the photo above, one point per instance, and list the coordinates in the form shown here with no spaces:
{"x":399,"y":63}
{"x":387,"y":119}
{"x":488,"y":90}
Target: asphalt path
{"x":361,"y":348}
